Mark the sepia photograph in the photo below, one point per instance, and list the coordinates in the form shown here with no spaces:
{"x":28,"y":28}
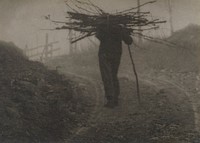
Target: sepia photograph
{"x":99,"y":71}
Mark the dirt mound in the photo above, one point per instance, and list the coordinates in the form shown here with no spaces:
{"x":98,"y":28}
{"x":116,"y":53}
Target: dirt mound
{"x":188,"y":37}
{"x":181,"y":57}
{"x":36,"y":104}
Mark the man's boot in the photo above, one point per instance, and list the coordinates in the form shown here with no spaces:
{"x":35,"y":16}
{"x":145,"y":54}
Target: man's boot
{"x":111,"y":104}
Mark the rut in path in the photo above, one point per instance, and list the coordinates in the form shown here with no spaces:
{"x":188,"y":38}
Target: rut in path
{"x":160,"y":118}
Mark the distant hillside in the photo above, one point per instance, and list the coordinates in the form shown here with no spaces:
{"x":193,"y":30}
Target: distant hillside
{"x":188,"y":37}
{"x":182,"y":56}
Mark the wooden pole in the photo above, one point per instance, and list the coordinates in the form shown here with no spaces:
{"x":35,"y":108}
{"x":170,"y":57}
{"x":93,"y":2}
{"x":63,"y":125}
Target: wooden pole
{"x":26,"y":50}
{"x":170,"y":16}
{"x":47,"y":50}
{"x":139,"y":38}
{"x":70,"y":43}
{"x":75,"y":50}
{"x":46,"y":46}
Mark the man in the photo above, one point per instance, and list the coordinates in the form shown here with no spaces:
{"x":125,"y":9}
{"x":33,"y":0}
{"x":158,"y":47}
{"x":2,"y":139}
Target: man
{"x":110,"y":51}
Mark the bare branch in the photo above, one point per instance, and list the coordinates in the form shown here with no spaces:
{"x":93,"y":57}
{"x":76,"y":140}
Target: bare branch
{"x":128,"y":10}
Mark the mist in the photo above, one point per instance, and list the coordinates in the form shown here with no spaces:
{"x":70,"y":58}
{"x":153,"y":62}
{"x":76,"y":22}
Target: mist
{"x":127,"y":90}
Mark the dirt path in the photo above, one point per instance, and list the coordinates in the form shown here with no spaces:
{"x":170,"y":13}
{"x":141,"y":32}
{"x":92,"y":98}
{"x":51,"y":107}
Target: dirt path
{"x":96,"y":91}
{"x":161,"y":118}
{"x":191,"y":97}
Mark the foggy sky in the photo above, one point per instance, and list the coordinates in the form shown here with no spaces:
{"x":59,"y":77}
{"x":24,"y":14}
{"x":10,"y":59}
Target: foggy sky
{"x":21,"y":20}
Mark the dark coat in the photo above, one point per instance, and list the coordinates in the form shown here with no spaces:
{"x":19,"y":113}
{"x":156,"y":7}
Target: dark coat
{"x":111,"y":39}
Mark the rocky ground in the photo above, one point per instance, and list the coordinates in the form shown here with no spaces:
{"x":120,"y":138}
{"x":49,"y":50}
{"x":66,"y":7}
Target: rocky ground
{"x":37,"y":104}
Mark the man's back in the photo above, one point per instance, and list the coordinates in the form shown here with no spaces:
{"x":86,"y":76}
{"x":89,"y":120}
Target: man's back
{"x":110,"y":39}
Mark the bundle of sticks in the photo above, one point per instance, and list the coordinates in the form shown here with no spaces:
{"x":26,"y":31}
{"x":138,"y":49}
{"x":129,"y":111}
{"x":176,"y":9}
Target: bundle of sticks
{"x":85,"y":17}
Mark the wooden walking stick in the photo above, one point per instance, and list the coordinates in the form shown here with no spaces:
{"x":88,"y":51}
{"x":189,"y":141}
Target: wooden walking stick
{"x":135,"y":72}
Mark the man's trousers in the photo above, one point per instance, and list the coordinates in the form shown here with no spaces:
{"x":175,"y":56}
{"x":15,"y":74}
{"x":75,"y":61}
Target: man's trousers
{"x":109,"y":65}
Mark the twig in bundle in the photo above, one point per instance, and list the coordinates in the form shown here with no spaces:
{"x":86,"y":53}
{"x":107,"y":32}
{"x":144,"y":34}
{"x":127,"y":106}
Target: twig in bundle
{"x":128,"y":10}
{"x":146,"y":29}
{"x":89,"y":6}
{"x":87,"y":35}
{"x":96,"y":7}
{"x":162,"y":41}
{"x":85,"y":10}
{"x":85,"y":3}
{"x":70,"y":7}
{"x":75,"y":3}
{"x":156,"y":40}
